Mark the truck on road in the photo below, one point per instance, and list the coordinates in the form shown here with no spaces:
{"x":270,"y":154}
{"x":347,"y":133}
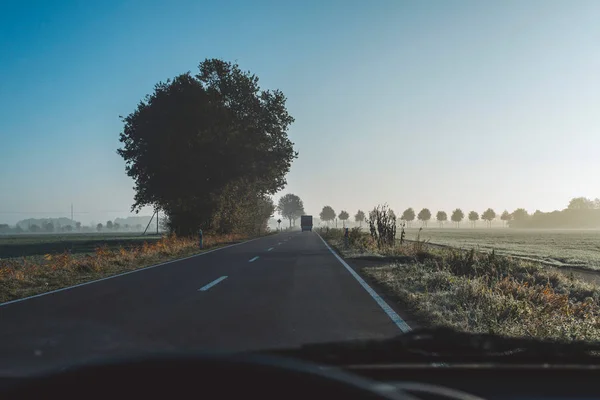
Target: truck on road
{"x":306,"y":223}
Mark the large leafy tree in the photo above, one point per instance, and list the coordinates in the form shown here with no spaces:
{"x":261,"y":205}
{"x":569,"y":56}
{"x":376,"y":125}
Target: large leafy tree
{"x":344,"y":217}
{"x":408,"y":215}
{"x":424,"y":216}
{"x":488,"y":216}
{"x":327,"y":214}
{"x":457,"y":216}
{"x":196,"y":136}
{"x":290,"y":207}
{"x":473,"y":217}
{"x":359,"y":217}
{"x":441,"y":217}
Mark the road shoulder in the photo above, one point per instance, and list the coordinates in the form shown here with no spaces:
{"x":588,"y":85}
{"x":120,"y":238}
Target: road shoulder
{"x":391,"y":299}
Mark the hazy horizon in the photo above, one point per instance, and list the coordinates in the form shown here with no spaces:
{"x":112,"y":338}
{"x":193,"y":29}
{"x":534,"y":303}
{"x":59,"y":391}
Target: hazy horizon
{"x":431,"y":104}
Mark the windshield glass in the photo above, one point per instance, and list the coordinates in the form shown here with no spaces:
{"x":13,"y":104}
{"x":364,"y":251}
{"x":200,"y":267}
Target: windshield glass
{"x":258,"y":175}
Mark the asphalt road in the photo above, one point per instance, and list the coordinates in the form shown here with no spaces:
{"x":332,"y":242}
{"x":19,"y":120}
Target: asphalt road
{"x":277,"y":291}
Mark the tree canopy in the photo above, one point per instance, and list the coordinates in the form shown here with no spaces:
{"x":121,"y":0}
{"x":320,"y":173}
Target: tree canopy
{"x":488,"y":216}
{"x":327,"y":214}
{"x":473,"y":217}
{"x":359,"y":217}
{"x":200,"y":137}
{"x":582,"y":203}
{"x":457,"y":216}
{"x":408,"y":215}
{"x":291,"y":207}
{"x":343,"y":217}
{"x":505,"y":216}
{"x":520,"y":214}
{"x":441,"y":217}
{"x":424,"y":216}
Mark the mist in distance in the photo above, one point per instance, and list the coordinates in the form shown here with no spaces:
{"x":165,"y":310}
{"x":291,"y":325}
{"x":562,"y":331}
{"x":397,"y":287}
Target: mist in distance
{"x":464,"y":105}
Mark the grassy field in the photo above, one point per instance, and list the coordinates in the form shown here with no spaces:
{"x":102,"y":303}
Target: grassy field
{"x":476,"y":292}
{"x":76,"y":243}
{"x":558,"y":248}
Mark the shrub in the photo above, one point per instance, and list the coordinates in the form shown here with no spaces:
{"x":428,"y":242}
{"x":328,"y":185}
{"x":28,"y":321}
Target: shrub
{"x":382,"y":226}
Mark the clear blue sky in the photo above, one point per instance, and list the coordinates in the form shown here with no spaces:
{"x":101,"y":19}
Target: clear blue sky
{"x":437,"y":104}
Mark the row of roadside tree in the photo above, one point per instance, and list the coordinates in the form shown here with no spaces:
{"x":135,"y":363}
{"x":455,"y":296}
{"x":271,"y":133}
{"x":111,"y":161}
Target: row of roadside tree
{"x":580,"y":213}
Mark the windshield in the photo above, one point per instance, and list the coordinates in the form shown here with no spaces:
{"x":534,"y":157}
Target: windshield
{"x":248,"y":176}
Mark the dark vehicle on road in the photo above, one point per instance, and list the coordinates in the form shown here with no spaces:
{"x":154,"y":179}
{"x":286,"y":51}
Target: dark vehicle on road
{"x":306,"y":223}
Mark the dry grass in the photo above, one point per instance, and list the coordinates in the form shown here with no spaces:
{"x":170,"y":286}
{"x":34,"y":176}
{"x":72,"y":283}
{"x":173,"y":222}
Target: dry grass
{"x":479,"y":292}
{"x":32,"y":275}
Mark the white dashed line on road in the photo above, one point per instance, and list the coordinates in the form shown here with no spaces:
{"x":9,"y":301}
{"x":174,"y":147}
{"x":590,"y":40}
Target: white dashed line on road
{"x":213,"y":283}
{"x":253,"y":259}
{"x":270,"y":248}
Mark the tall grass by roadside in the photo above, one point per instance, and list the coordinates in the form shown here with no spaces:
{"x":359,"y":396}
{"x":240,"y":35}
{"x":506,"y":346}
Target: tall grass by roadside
{"x":27,"y":276}
{"x":480,"y":292}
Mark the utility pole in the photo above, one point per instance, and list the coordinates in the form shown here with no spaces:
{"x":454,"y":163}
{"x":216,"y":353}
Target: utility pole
{"x":71,"y":212}
{"x":157,"y":221}
{"x":149,"y":222}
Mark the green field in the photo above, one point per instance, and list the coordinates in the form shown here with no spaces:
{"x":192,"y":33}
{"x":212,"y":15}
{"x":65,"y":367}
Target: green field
{"x":559,"y":248}
{"x":33,"y":245}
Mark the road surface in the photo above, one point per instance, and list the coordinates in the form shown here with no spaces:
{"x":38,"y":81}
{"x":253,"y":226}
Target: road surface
{"x":276,"y":291}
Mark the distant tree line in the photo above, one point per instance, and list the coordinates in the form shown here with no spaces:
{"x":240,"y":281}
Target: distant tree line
{"x":65,"y":225}
{"x":580,"y":213}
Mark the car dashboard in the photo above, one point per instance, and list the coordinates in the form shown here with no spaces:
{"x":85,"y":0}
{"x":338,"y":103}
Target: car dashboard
{"x":487,"y":381}
{"x":276,"y":377}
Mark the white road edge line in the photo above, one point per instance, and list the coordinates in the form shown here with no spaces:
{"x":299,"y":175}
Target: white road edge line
{"x":213,"y":283}
{"x":385,"y":307}
{"x":270,"y":248}
{"x":122,"y":274}
{"x":253,"y":259}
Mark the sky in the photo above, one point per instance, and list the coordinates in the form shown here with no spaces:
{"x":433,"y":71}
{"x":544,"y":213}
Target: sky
{"x":438,"y":104}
